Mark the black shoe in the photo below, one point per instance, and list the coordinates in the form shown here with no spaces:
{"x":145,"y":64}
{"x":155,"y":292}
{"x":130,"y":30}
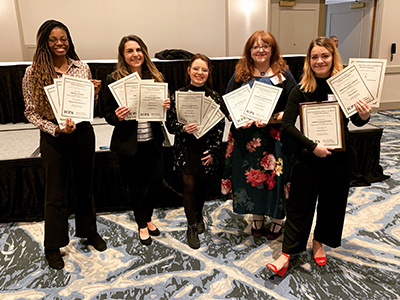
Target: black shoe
{"x":147,"y":241}
{"x":271,"y":234}
{"x":154,"y":232}
{"x":193,"y":237}
{"x":54,"y":258}
{"x":200,"y":226}
{"x":97,"y":242}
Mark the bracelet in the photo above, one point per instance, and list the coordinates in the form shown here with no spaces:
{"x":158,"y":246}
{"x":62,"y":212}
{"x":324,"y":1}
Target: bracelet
{"x":274,"y":117}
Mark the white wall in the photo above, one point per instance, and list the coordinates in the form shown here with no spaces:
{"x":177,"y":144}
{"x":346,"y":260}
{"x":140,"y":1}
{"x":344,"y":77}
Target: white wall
{"x":388,"y":33}
{"x":98,"y":25}
{"x":10,"y":41}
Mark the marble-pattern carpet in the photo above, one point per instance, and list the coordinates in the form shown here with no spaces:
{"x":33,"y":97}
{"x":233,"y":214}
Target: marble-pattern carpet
{"x":230,"y":263}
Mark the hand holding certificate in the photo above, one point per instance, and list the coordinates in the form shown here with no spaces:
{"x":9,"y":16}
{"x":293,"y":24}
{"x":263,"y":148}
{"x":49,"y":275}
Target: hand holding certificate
{"x":373,"y":71}
{"x":322,"y":123}
{"x":236,"y":102}
{"x":151,"y":98}
{"x":71,"y":97}
{"x":348,"y":87}
{"x":262,"y":101}
{"x":189,"y":107}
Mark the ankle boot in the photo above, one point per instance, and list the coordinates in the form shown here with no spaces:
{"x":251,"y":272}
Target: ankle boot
{"x":193,"y":237}
{"x":201,"y":227}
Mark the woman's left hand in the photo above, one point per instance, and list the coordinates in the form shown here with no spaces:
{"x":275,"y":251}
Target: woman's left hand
{"x":259,"y":123}
{"x":167,"y":103}
{"x":207,"y":160}
{"x":363,"y":109}
{"x":97,"y":86}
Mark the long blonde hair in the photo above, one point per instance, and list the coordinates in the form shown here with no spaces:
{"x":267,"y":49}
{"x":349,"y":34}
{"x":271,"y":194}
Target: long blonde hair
{"x":245,"y":66}
{"x":149,"y":70}
{"x":43,"y":71}
{"x":308,"y":82}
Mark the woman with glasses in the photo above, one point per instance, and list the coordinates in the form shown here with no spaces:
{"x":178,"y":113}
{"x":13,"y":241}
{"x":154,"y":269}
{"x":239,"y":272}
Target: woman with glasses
{"x":138,"y":144}
{"x":194,"y":158}
{"x":67,"y":153}
{"x":320,"y":173}
{"x":254,"y":176}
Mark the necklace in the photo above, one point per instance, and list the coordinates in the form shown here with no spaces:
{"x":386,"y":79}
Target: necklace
{"x":262,"y":73}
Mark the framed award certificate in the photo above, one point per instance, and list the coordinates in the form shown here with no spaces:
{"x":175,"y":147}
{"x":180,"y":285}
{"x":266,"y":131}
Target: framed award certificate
{"x":322,"y":122}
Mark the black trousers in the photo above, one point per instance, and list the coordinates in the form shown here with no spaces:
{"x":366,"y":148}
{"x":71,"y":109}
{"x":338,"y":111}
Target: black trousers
{"x":143,"y":175}
{"x":68,"y":161}
{"x":326,"y":180}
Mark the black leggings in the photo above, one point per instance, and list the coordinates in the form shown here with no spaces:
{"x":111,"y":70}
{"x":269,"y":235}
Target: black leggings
{"x":193,"y":195}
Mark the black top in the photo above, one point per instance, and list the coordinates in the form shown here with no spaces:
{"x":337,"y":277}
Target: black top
{"x":210,"y":141}
{"x":292,"y":111}
{"x":124,"y":137}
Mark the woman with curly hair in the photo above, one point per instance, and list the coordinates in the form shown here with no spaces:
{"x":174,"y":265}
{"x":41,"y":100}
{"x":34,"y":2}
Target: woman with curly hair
{"x":67,"y":153}
{"x":254,"y":157}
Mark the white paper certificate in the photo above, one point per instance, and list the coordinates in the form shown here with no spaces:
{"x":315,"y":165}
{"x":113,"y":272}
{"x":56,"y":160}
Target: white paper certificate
{"x":151,"y":98}
{"x":51,"y":93}
{"x":117,"y":88}
{"x":189,"y":107}
{"x":236,"y":102}
{"x":349,"y":86}
{"x":322,"y":123}
{"x":77,"y":98}
{"x":131,"y":97}
{"x":373,"y":71}
{"x":262,"y":101}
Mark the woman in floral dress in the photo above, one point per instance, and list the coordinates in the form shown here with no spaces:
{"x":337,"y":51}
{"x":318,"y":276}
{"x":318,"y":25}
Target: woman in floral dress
{"x":254,"y":160}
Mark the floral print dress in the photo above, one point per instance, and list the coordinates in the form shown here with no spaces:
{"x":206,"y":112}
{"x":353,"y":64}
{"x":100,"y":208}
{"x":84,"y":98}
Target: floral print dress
{"x":254,"y":171}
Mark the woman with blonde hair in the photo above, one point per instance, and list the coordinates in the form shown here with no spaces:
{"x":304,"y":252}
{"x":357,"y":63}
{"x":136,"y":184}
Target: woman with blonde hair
{"x":138,"y":144}
{"x":254,"y":175}
{"x":321,"y":173}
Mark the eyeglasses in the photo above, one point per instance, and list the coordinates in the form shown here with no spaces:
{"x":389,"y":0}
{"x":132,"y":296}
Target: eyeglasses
{"x":263,"y":47}
{"x":54,"y":40}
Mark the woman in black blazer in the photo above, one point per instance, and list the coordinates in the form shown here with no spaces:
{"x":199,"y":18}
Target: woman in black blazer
{"x":137,"y":144}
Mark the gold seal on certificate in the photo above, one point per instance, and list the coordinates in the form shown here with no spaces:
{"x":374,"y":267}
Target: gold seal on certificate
{"x":322,"y":122}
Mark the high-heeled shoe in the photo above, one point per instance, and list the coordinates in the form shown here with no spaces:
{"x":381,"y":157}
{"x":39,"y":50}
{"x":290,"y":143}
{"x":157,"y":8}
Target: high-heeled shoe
{"x":282,"y":271}
{"x":320,"y":260}
{"x":270,"y":232}
{"x":257,"y":232}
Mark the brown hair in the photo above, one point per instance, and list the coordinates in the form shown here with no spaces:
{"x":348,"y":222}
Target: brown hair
{"x":204,"y":58}
{"x":245,"y":66}
{"x":308,"y":82}
{"x":149,"y":70}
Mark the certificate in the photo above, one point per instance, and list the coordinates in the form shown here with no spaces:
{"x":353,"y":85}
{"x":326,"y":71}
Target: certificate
{"x":131,"y":89}
{"x":189,"y":107}
{"x":236,"y":102}
{"x":117,"y":88}
{"x":77,"y":98}
{"x":51,"y":93}
{"x":322,"y":122}
{"x":373,"y":70}
{"x":349,"y":86}
{"x":216,"y":117}
{"x":262,"y":101}
{"x":151,"y":98}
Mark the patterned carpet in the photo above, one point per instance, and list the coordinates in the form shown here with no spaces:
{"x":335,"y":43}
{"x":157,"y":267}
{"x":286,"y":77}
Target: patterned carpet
{"x":229,"y":265}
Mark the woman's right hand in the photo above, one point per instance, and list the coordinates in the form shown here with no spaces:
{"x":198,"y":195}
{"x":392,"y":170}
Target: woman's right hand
{"x":70,"y":127}
{"x":190,"y":128}
{"x":322,"y":151}
{"x":122,"y":112}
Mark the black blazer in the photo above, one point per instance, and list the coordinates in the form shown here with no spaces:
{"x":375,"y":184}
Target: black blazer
{"x":124,"y":137}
